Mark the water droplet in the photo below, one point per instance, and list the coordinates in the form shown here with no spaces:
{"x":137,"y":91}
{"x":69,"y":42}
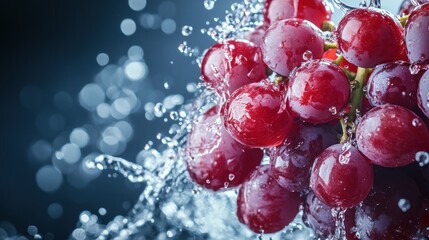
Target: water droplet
{"x":307,"y":55}
{"x":333,"y":110}
{"x":231,"y":177}
{"x":174,"y":115}
{"x":209,"y":4}
{"x":422,"y":158}
{"x":166,"y":85}
{"x":187,"y":30}
{"x":416,"y":122}
{"x":415,"y":68}
{"x":404,"y":204}
{"x":362,"y":3}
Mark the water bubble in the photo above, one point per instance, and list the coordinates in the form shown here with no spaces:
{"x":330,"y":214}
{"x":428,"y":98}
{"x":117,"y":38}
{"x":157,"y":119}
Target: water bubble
{"x":168,"y":26}
{"x":102,"y":211}
{"x":307,"y":55}
{"x":415,"y":68}
{"x":128,"y":27}
{"x":135,"y":70}
{"x":404,"y":204}
{"x":231,"y":177}
{"x":209,"y":4}
{"x":137,"y":5}
{"x":363,"y":4}
{"x":91,"y":96}
{"x":41,"y":150}
{"x":102,"y":59}
{"x":416,"y":122}
{"x":32,"y":230}
{"x":422,"y":158}
{"x":80,"y":137}
{"x":135,"y":53}
{"x":166,"y":85}
{"x":174,"y":115}
{"x":55,"y":210}
{"x":187,"y":30}
{"x":48,"y":178}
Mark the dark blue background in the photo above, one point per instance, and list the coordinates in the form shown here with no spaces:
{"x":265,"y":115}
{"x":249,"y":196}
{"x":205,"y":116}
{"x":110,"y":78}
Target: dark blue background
{"x":52,"y":45}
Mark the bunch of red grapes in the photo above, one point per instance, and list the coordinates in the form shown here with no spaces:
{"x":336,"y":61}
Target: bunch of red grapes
{"x":344,"y":121}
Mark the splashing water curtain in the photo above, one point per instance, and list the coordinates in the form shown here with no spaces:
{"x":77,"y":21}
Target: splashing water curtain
{"x":171,"y":206}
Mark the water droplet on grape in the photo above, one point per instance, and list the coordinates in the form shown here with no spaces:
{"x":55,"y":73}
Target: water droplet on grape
{"x":231,"y":177}
{"x":416,"y":122}
{"x":415,"y":68}
{"x":333,"y":110}
{"x":404,"y":204}
{"x":422,"y":158}
{"x":307,"y":55}
{"x":187,"y":30}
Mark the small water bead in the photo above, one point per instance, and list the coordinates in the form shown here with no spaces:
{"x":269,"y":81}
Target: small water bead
{"x":174,"y":115}
{"x":416,"y":122}
{"x":422,"y":158}
{"x":231,"y":177}
{"x":415,"y":68}
{"x":363,"y":3}
{"x":187,"y":30}
{"x":209,"y":4}
{"x":102,"y":211}
{"x":404,"y":204}
{"x":32,"y":230}
{"x":333,"y":110}
{"x":307,"y":55}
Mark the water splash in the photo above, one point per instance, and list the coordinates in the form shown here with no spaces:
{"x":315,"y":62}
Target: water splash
{"x":342,"y":6}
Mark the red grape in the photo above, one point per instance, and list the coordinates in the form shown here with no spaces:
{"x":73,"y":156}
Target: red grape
{"x":287,"y":40}
{"x":393,"y":83}
{"x":391,"y":135}
{"x":417,"y":35}
{"x":391,"y":210}
{"x":263,"y":205}
{"x":318,"y":91}
{"x":370,"y":36}
{"x":318,"y":216}
{"x":256,"y":35}
{"x":215,"y":160}
{"x":256,"y":115}
{"x":232,"y":64}
{"x":423,"y":93}
{"x":291,"y":161}
{"x":341,"y":176}
{"x":315,"y":11}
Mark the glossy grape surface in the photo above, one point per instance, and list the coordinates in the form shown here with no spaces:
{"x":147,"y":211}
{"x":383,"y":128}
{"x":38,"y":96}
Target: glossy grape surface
{"x":291,"y":161}
{"x":318,"y":91}
{"x":391,"y":135}
{"x":318,"y":216}
{"x":423,"y":94}
{"x":263,"y":205}
{"x":215,"y":160}
{"x":393,"y":83}
{"x":391,"y":210}
{"x":256,"y":115}
{"x":287,"y":40}
{"x":315,"y":11}
{"x":341,"y":177}
{"x":417,"y":35}
{"x":231,"y":64}
{"x":370,"y":36}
